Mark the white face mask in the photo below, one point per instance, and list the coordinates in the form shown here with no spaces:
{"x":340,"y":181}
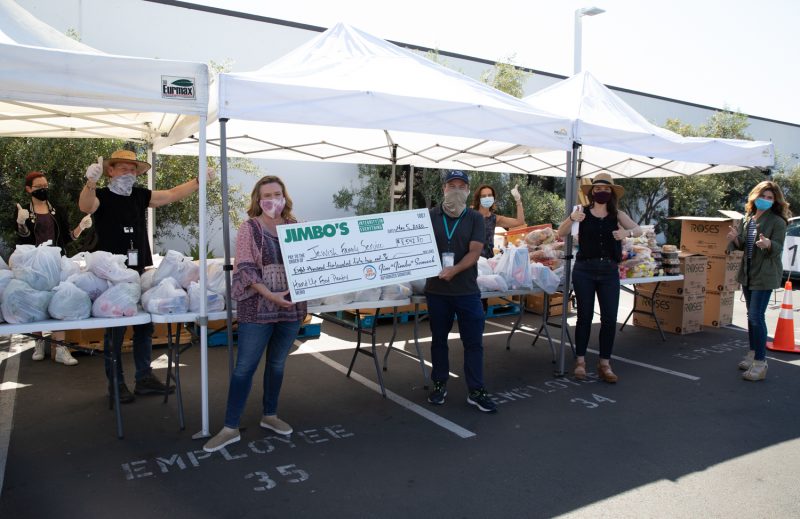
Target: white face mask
{"x":487,"y":201}
{"x":272,"y":207}
{"x":122,"y":185}
{"x":455,"y":201}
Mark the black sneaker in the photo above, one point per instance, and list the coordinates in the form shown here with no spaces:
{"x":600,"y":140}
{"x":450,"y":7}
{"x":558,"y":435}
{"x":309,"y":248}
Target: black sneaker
{"x":436,"y":396}
{"x":480,"y":399}
{"x":125,"y":396}
{"x":150,"y":385}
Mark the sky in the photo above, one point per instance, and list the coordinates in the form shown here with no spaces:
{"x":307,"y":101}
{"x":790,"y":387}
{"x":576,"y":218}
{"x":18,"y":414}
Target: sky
{"x":739,"y":54}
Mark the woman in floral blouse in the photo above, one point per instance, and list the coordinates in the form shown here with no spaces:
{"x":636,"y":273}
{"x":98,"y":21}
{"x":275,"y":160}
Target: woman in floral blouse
{"x":268,"y":320}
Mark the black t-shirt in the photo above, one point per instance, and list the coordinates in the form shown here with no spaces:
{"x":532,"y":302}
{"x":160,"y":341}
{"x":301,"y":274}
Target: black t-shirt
{"x":595,"y":239}
{"x":121,"y":221}
{"x":470,"y":228}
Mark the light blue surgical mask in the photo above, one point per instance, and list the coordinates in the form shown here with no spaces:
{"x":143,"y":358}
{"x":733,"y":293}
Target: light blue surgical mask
{"x":487,"y":201}
{"x":763,"y":204}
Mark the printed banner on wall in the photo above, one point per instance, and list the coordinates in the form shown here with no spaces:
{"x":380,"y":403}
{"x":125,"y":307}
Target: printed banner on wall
{"x":329,"y":257}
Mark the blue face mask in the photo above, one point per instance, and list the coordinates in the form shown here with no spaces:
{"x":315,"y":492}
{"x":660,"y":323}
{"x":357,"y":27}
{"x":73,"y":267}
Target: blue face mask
{"x":763,"y":204}
{"x":487,"y":201}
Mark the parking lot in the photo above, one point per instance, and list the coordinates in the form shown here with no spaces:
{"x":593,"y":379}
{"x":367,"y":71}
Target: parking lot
{"x":680,"y":435}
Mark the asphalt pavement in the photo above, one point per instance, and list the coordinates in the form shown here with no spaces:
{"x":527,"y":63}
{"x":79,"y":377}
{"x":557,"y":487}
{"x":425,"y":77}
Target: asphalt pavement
{"x":680,"y":435}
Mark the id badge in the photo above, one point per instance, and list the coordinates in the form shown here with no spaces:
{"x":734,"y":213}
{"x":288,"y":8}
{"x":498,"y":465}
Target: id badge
{"x":133,"y":258}
{"x":448,"y":259}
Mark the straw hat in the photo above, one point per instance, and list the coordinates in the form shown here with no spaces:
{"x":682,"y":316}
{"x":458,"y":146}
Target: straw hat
{"x":603,"y":179}
{"x":125,"y":156}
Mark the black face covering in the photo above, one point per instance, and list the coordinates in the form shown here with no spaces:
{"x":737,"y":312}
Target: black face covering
{"x":40,"y":194}
{"x":602,"y":197}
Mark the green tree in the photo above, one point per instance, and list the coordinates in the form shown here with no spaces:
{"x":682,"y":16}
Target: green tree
{"x":653,"y":201}
{"x":180,"y":220}
{"x":507,"y":77}
{"x":64,"y":161}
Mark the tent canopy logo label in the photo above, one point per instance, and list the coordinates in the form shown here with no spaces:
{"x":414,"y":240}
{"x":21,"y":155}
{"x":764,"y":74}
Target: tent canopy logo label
{"x":173,"y":87}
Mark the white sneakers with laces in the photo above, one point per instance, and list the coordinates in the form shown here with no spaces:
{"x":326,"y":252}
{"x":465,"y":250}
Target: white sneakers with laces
{"x":64,"y":356}
{"x":38,"y":350}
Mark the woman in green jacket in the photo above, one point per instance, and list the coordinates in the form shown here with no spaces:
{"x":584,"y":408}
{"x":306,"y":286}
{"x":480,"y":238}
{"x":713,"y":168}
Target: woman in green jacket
{"x":760,"y":235}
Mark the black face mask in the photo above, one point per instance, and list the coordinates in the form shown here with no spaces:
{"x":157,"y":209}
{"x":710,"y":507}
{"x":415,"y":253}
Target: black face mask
{"x":40,"y":194}
{"x":602,"y":197}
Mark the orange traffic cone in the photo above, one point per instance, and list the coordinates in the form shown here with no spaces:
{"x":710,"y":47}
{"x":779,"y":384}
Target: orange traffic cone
{"x":784,"y":332}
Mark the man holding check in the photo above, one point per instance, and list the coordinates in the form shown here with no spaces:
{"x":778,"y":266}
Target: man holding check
{"x":459,"y":235}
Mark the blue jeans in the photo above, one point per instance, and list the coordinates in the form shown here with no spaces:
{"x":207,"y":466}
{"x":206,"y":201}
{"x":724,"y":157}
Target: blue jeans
{"x":277,"y":338}
{"x":441,"y":311}
{"x":142,"y":349}
{"x":757,"y":301}
{"x":596,"y":277}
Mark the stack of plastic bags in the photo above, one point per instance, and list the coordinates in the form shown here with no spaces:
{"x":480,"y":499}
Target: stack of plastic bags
{"x":35,"y":272}
{"x":174,"y":286}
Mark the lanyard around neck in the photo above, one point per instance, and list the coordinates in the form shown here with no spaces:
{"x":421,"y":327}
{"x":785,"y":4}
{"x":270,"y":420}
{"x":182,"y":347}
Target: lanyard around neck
{"x":449,"y":233}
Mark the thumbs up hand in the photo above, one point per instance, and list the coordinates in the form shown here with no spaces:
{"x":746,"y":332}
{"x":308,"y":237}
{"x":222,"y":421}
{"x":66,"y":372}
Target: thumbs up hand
{"x":620,"y":233}
{"x":22,"y":215}
{"x":763,"y":242}
{"x":733,"y":231}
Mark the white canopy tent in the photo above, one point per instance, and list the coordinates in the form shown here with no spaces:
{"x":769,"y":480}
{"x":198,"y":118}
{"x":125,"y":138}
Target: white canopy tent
{"x":611,"y":136}
{"x":54,"y":86}
{"x":347,"y":96}
{"x":616,"y":138}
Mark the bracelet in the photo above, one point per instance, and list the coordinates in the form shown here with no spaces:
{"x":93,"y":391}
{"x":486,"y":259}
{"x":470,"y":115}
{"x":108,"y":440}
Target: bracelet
{"x":570,"y":219}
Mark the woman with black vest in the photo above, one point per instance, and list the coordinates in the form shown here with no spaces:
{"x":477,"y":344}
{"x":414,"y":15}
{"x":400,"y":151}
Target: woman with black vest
{"x":601,"y":229}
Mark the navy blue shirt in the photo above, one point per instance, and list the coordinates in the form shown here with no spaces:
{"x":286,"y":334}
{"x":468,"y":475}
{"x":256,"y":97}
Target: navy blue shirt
{"x":470,"y":228}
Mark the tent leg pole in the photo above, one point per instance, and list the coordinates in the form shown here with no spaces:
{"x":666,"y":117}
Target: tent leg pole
{"x":202,"y":174}
{"x":227,"y":268}
{"x":410,"y":183}
{"x":151,"y":185}
{"x":572,"y":163}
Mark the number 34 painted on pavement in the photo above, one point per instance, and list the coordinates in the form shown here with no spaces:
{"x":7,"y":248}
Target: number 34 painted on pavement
{"x":598,"y":399}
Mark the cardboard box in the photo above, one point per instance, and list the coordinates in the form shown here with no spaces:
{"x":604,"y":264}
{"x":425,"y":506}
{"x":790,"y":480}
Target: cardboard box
{"x":719,"y":308}
{"x":693,"y":268}
{"x":723,"y":271}
{"x":706,"y":235}
{"x":93,"y":338}
{"x":680,"y":315}
{"x":535,"y":303}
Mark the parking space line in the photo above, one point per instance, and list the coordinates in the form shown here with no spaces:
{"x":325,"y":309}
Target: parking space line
{"x":792,"y":362}
{"x":650,"y":366}
{"x":616,"y":357}
{"x":7,"y":398}
{"x":394,"y":397}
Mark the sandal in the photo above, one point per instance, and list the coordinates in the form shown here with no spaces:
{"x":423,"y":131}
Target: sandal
{"x":605,"y":373}
{"x":580,"y":370}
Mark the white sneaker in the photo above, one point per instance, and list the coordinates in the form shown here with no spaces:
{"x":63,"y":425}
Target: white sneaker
{"x":64,"y":356}
{"x":273,"y":423}
{"x":38,"y":350}
{"x":758,"y":371}
{"x":223,"y":438}
{"x":747,"y":360}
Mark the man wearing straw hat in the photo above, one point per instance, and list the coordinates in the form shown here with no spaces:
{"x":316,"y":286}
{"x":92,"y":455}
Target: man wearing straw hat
{"x":120,"y":220}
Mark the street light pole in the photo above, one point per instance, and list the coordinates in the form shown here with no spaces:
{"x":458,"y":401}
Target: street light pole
{"x":579,"y":14}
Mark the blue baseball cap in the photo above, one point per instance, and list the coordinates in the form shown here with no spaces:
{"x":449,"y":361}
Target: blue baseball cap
{"x":456,"y":175}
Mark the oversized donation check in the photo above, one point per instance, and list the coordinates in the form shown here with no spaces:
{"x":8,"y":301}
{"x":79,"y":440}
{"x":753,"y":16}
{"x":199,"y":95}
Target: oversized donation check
{"x":329,"y":257}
